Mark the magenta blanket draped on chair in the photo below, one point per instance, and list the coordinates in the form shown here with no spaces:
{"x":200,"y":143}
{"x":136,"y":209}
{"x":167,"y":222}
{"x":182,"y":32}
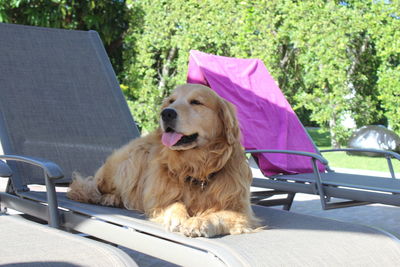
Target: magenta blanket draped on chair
{"x":266,"y":119}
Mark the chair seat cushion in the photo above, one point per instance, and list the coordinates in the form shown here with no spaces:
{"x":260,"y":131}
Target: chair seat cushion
{"x":290,"y":239}
{"x":33,"y":244}
{"x":349,"y":180}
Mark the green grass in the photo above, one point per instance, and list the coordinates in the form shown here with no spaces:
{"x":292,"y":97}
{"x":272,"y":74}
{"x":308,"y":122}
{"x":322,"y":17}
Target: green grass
{"x":342,"y":160}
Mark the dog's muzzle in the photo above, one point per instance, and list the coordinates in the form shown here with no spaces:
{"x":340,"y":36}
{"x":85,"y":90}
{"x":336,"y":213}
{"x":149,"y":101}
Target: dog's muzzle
{"x":170,"y":137}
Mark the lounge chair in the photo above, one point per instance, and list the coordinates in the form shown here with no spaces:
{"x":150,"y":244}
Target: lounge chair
{"x":280,"y":144}
{"x":60,"y":101}
{"x":27,"y":243}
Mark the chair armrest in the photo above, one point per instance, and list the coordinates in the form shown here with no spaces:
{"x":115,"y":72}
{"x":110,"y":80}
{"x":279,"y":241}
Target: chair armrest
{"x":51,"y":173}
{"x":314,"y":157}
{"x":5,"y":171}
{"x":52,"y":170}
{"x":387,"y":153}
{"x":300,"y":153}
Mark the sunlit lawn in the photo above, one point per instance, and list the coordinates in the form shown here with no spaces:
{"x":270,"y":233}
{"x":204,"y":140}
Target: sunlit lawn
{"x":342,"y":160}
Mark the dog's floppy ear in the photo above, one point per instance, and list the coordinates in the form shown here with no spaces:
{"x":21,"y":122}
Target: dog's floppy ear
{"x":227,"y":114}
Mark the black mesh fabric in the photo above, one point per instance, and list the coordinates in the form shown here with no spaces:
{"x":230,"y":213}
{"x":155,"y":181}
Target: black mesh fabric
{"x":59,"y":100}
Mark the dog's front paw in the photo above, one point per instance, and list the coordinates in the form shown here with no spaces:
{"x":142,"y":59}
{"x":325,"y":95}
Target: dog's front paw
{"x":172,"y":217}
{"x":173,"y":223}
{"x":197,"y":226}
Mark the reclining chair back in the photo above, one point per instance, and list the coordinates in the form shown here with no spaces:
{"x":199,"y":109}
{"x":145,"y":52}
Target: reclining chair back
{"x":60,"y":100}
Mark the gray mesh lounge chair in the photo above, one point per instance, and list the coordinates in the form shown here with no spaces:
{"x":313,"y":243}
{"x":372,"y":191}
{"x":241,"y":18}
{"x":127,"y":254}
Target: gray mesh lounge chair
{"x":26,"y":243}
{"x":348,"y":189}
{"x":60,"y":101}
{"x":268,"y":121}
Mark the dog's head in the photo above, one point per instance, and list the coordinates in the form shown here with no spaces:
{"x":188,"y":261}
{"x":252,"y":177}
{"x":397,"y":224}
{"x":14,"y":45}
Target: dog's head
{"x":194,"y":116}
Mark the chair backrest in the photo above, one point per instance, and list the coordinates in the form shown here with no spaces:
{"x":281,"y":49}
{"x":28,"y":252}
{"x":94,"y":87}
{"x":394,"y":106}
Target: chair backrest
{"x":5,"y":171}
{"x":59,"y":100}
{"x":266,"y":119}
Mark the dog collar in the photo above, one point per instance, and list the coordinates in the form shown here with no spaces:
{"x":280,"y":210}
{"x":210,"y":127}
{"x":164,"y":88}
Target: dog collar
{"x":197,"y":182}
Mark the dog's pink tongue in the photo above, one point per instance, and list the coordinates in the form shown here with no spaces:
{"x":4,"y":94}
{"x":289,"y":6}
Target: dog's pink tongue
{"x":170,"y":139}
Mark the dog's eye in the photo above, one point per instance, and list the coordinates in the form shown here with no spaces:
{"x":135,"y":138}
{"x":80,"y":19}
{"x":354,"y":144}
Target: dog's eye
{"x":195,"y":102}
{"x":171,"y":101}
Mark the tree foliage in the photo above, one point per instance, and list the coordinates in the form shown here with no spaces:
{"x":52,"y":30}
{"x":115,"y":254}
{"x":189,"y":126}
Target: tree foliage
{"x":332,"y":59}
{"x":383,"y":25}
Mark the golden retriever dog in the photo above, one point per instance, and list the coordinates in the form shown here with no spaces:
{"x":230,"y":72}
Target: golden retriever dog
{"x":190,"y":175}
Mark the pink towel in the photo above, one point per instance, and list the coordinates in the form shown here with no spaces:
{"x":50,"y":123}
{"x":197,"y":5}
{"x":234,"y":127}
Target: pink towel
{"x":266,"y":119}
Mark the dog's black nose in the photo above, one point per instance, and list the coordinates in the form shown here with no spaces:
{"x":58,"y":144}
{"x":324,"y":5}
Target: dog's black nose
{"x":168,"y":114}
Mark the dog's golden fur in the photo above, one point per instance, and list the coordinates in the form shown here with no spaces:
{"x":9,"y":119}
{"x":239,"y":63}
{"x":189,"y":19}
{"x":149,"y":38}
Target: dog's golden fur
{"x":148,"y":176}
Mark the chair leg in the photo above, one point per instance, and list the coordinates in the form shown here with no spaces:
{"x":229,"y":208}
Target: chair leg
{"x":290,"y":198}
{"x":261,"y":198}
